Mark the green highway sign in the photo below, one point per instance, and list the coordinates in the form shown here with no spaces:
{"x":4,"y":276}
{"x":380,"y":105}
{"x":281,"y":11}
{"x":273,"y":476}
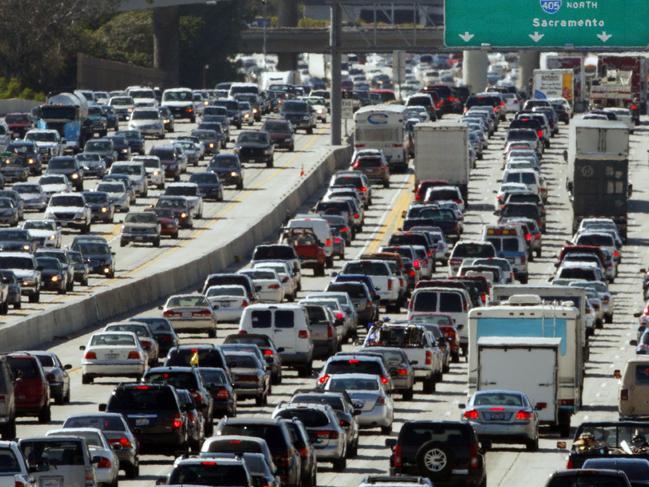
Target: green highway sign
{"x":546,"y":23}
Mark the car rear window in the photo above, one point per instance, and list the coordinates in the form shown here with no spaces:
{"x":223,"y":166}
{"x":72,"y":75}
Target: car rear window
{"x":590,"y":480}
{"x":310,"y":418}
{"x":269,"y":253}
{"x":284,"y":318}
{"x":62,"y":452}
{"x":413,"y":434}
{"x":450,"y":302}
{"x":233,"y":446}
{"x":578,"y":273}
{"x":356,"y":292}
{"x":596,"y":240}
{"x":180,"y":380}
{"x":209,"y":473}
{"x":506,"y":244}
{"x":354,"y":366}
{"x":272,"y":433}
{"x":316,"y":314}
{"x":425,"y":301}
{"x":468,"y":250}
{"x":369,"y":162}
{"x":8,"y":462}
{"x":206,"y":357}
{"x":241,"y":361}
{"x":366,"y":267}
{"x":102,"y":422}
{"x":24,"y":367}
{"x":143,"y":398}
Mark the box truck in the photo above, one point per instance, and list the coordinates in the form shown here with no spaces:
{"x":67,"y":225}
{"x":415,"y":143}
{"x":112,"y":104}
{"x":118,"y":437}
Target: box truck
{"x":554,"y":83}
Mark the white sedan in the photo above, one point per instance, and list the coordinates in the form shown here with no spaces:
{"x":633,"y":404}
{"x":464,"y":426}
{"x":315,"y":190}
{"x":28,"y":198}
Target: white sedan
{"x":228,"y":301}
{"x":107,"y":467}
{"x":268,"y":284}
{"x":190,"y":313}
{"x":289,"y":283}
{"x":144,"y":335}
{"x":112,"y":354}
{"x":46,"y":232}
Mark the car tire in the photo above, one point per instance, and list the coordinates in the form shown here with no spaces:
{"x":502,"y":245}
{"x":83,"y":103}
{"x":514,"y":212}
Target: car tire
{"x":276,"y":379}
{"x":607,"y":318}
{"x":211,"y":333}
{"x":18,"y":305}
{"x":110,"y":275}
{"x":434,"y":460}
{"x":408,"y":395}
{"x":532,"y":445}
{"x":429,"y":385}
{"x":340,"y":464}
{"x":4,"y":308}
{"x":45,"y":415}
{"x":175,"y":234}
{"x":35,"y":297}
{"x":240,"y":185}
{"x":353,"y":450}
{"x":538,"y":253}
{"x":62,"y":291}
{"x":305,"y":371}
{"x":329,"y":262}
{"x":86,"y":379}
{"x":123,"y":243}
{"x":270,"y":163}
{"x":161,"y":186}
{"x":66,"y":398}
{"x":386,"y":430}
{"x":59,"y":399}
{"x":386,"y":184}
{"x":131,"y":471}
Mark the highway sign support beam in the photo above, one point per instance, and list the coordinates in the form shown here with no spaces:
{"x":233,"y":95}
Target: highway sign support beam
{"x":166,"y":42}
{"x":334,"y":44}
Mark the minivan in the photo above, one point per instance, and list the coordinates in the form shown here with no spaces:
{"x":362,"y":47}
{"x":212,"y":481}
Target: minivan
{"x":288,"y":326}
{"x":634,"y":388}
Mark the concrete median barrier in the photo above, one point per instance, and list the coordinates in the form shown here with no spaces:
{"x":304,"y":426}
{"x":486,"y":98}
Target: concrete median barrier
{"x":125,"y":299}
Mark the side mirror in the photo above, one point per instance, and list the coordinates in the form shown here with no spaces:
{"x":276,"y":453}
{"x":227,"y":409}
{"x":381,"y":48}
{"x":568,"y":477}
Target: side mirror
{"x":390,"y":442}
{"x":461,"y":406}
{"x":160,"y":308}
{"x":102,"y":407}
{"x":637,"y":315}
{"x":414,"y":362}
{"x":617,"y":374}
{"x":357,"y":412}
{"x":562,"y":445}
{"x":67,"y":367}
{"x":643,"y":270}
{"x":403,"y":214}
{"x":633,"y":343}
{"x":460,"y":327}
{"x":280,"y":349}
{"x":82,"y":348}
{"x":539,"y":406}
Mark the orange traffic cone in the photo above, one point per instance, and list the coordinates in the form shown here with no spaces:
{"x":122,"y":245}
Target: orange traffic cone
{"x":302,"y":171}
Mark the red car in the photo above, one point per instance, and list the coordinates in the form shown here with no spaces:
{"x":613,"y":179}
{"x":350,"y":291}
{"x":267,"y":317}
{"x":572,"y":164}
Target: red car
{"x":169,"y":225}
{"x":31,"y":387}
{"x":308,"y":248}
{"x":19,"y":123}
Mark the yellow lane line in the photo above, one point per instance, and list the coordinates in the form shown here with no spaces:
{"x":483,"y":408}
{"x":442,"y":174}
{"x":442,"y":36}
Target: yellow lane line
{"x":393,"y":219}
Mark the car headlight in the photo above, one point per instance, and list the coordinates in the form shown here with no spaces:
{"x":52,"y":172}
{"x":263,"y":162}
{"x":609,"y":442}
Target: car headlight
{"x":254,"y":110}
{"x":233,"y":174}
{"x":55,"y":278}
{"x":26,"y":247}
{"x":104,"y":210}
{"x":183,"y":215}
{"x":129,"y":110}
{"x":52,"y":237}
{"x":75,"y":176}
{"x":305,"y":117}
{"x":30,"y":161}
{"x":156,"y":173}
{"x":28,"y":281}
{"x":166,"y":120}
{"x":124,"y":151}
{"x":211,"y":144}
{"x":268,"y":151}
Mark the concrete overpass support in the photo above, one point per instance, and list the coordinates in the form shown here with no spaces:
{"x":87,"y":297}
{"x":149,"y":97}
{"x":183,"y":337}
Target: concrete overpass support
{"x":288,"y":17}
{"x":166,"y":42}
{"x":528,"y":61}
{"x":474,"y":70}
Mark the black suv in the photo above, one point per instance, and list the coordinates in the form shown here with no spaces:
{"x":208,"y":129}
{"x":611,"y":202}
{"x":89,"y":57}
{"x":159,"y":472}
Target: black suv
{"x":447,"y":452}
{"x":154,"y":414}
{"x":254,"y":146}
{"x":285,"y":455}
{"x":208,"y":356}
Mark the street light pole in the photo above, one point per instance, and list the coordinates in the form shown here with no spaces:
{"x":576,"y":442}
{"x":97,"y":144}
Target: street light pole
{"x":264,"y":24}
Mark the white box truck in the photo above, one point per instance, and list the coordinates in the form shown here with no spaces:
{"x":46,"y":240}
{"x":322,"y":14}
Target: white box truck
{"x":526,"y":316}
{"x":554,"y":83}
{"x":442,"y":152}
{"x":536,"y":365}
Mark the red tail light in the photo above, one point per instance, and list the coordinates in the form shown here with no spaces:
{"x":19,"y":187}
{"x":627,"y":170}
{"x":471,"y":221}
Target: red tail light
{"x":429,"y":357}
{"x":304,"y":452}
{"x":327,"y":435}
{"x":523,"y":416}
{"x":483,"y":298}
{"x":416,"y":264}
{"x":458,"y":201}
{"x":337,"y":240}
{"x":417,"y":196}
{"x":380,"y":401}
{"x":339,"y":315}
{"x":303,"y":334}
{"x":170,"y":314}
{"x":274,"y":286}
{"x":413,"y":273}
{"x":528,"y":236}
{"x":330,"y":331}
{"x":363,"y":189}
{"x":624,"y":395}
{"x":539,"y":133}
{"x":343,"y":423}
{"x":323,"y":379}
{"x":396,"y":456}
{"x":268,"y":353}
{"x":384,"y":380}
{"x":205,"y":312}
{"x":450,"y":98}
{"x":134,"y":355}
{"x":327,"y":242}
{"x":344,"y":230}
{"x":243,"y":332}
{"x":471,"y":414}
{"x":475,"y":459}
{"x":356,"y":165}
{"x":123,"y":442}
{"x":177,"y":422}
{"x":104,"y":463}
{"x":90,"y":356}
{"x":146,"y":345}
{"x":389,"y":284}
{"x":570,"y":465}
{"x":616,"y":253}
{"x":634,"y":107}
{"x":402,"y":372}
{"x":356,"y":216}
{"x":142,"y":388}
{"x":244,"y":304}
{"x":222,"y":394}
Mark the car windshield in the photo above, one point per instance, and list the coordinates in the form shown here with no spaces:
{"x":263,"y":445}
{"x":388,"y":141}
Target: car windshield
{"x":252,"y":137}
{"x":39,"y":225}
{"x":61,"y":164}
{"x":184,"y":190}
{"x":178,"y":96}
{"x":42,"y":136}
{"x":93,"y":248}
{"x":139,"y":330}
{"x":111,"y":187}
{"x":13,"y":235}
{"x":27,"y":188}
{"x":225,"y":161}
{"x":144,"y":217}
{"x":96,"y":197}
{"x":121,"y":100}
{"x":47,"y":263}
{"x":352,"y":384}
{"x":203,"y":178}
{"x":129,"y":169}
{"x":151,"y":163}
{"x":187,"y":301}
{"x":367,"y":267}
{"x":310,"y":418}
{"x":171,"y":203}
{"x":145,"y":115}
{"x":473,"y":250}
{"x":276,"y":127}
{"x":63,"y":200}
{"x":98,"y":145}
{"x":16,"y":262}
{"x":596,"y":240}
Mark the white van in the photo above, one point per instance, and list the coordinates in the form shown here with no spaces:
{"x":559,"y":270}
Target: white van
{"x":634,"y":389}
{"x":322,"y":230}
{"x":382,"y":127}
{"x":181,"y":103}
{"x":288,"y":326}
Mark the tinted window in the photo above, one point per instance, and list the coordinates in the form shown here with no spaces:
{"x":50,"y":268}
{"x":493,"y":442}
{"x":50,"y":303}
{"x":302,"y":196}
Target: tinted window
{"x":354,"y":366}
{"x":53,"y":452}
{"x":641,"y":374}
{"x":180,"y":380}
{"x":269,"y":432}
{"x":102,"y":422}
{"x":8,"y":462}
{"x":209,"y":473}
{"x":310,"y":418}
{"x":242,"y":361}
{"x":367,"y":267}
{"x":143,"y":398}
{"x":599,"y":480}
{"x":261,"y":318}
{"x":284,"y":319}
{"x":413,"y":434}
{"x":25,"y":368}
{"x":207,"y":357}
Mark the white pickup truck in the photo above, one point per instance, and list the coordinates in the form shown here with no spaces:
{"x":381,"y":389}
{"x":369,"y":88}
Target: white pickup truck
{"x":386,"y":283}
{"x":426,"y":358}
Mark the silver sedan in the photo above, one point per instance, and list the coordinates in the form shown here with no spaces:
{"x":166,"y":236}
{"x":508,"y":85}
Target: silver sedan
{"x":503,"y":416}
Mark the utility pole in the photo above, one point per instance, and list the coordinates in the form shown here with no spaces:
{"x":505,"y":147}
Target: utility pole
{"x":264,"y":26}
{"x":334,"y":44}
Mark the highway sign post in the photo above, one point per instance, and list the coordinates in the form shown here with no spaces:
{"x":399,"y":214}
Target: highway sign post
{"x":347,"y":111}
{"x":546,"y":23}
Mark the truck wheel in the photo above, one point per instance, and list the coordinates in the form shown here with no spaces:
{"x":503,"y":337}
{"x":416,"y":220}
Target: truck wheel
{"x":330,"y":262}
{"x":532,"y":445}
{"x":523,"y":280}
{"x":35,"y":297}
{"x":564,"y":424}
{"x":9,"y":430}
{"x":386,"y":184}
{"x":4,"y":308}
{"x":429,"y":385}
{"x":319,"y":270}
{"x":45,"y":415}
{"x":407,"y":395}
{"x":86,"y":379}
{"x":607,"y":318}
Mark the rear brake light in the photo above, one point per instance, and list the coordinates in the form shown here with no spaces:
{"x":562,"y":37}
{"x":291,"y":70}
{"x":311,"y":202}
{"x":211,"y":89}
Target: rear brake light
{"x":380,"y":401}
{"x":268,"y":353}
{"x":539,"y":133}
{"x":634,"y":107}
{"x":170,"y":314}
{"x":402,"y":372}
{"x":142,"y":388}
{"x":353,"y":361}
{"x":90,"y":356}
{"x":177,"y":422}
{"x":303,"y":334}
{"x":337,"y":240}
{"x":475,"y":459}
{"x":339,"y":315}
{"x":483,"y":298}
{"x":429,"y":357}
{"x":356,"y":216}
{"x":471,"y":414}
{"x":274,"y":286}
{"x":396,"y":456}
{"x":570,"y":464}
{"x":356,"y":165}
{"x":413,"y":273}
{"x":416,"y":264}
{"x":244,"y":304}
{"x":330,"y":331}
{"x":222,"y":394}
{"x":616,"y":253}
{"x":363,"y":189}
{"x":323,"y":379}
{"x":523,"y":416}
{"x":528,"y":236}
{"x":104,"y":463}
{"x":389,"y":284}
{"x":384,"y":380}
{"x":327,"y":242}
{"x":134,"y":355}
{"x":344,"y":230}
{"x":205,"y":312}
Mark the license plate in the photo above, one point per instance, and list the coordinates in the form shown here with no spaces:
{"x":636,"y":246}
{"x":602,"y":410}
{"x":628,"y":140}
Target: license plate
{"x":225,"y":304}
{"x":52,"y":482}
{"x":496,"y":416}
{"x":139,"y":239}
{"x":460,"y":471}
{"x":112,"y":355}
{"x":142,"y":422}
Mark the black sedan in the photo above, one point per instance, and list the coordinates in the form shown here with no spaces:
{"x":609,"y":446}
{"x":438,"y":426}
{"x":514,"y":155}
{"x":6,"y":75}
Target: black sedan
{"x":53,"y":275}
{"x":228,"y":168}
{"x":209,"y":185}
{"x":255,"y":146}
{"x":14,"y":296}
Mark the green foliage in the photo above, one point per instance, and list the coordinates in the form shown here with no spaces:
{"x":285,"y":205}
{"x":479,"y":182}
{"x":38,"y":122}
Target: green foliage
{"x":127,"y":37}
{"x":11,"y":88}
{"x":306,"y":22}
